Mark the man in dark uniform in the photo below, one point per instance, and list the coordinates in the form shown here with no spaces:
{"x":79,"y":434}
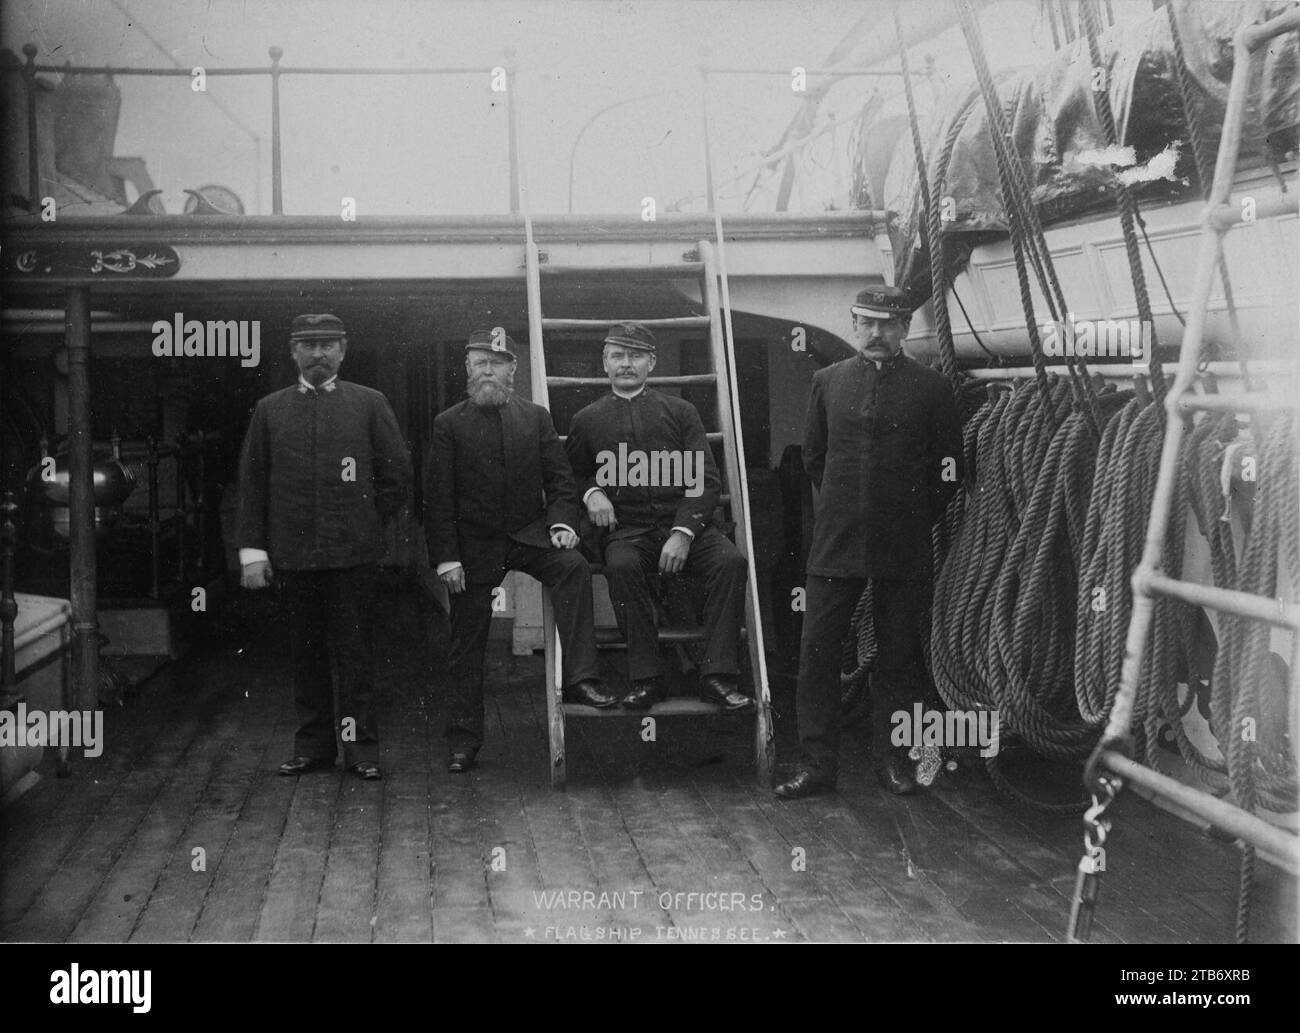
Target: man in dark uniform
{"x":656,"y":523}
{"x":883,"y":446}
{"x":501,"y":497}
{"x":323,"y":468}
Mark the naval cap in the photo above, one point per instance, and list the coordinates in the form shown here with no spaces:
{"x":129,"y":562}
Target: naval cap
{"x":316,"y":325}
{"x":631,"y":335}
{"x":495,"y":340}
{"x":880,"y":301}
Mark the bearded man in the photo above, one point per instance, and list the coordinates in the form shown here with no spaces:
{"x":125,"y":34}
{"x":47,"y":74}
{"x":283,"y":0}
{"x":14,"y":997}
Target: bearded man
{"x":502,"y":497}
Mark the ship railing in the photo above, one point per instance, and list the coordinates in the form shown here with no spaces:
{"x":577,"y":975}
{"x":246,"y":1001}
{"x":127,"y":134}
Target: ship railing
{"x":1113,"y":751}
{"x":275,"y":71}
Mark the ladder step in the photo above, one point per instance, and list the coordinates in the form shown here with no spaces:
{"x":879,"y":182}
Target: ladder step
{"x":667,"y":323}
{"x":612,"y":637}
{"x":1254,"y":401}
{"x":680,"y":706}
{"x":682,"y":381}
{"x":674,"y":270}
{"x":1243,"y":604}
{"x":715,"y":437}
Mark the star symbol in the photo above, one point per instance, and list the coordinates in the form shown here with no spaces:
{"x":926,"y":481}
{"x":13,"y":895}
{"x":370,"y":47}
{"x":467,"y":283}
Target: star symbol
{"x":780,"y":934}
{"x":530,"y":932}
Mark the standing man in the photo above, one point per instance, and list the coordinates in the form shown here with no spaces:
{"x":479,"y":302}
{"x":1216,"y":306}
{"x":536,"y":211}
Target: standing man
{"x":656,"y":523}
{"x":883,"y":445}
{"x":502,"y":498}
{"x":323,"y":468}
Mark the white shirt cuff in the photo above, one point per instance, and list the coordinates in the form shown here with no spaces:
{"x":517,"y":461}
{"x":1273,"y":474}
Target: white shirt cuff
{"x":563,"y":527}
{"x":444,"y":567}
{"x":247,"y":556}
{"x":686,"y":531}
{"x":587,"y":494}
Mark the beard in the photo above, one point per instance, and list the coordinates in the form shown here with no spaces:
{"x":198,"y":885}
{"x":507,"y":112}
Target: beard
{"x":491,"y":394}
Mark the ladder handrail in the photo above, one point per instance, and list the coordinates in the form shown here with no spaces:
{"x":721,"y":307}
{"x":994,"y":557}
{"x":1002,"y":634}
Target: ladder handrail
{"x":1147,"y":578}
{"x":716,"y":279}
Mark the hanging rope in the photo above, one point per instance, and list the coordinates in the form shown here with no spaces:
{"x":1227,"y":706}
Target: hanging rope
{"x":1204,"y":161}
{"x":1089,"y":19}
{"x":1027,"y":239}
{"x":931,"y":233}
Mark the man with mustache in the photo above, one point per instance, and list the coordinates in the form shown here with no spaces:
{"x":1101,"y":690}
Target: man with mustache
{"x":502,"y":498}
{"x":883,"y":445}
{"x":324,"y":466}
{"x":659,"y":527}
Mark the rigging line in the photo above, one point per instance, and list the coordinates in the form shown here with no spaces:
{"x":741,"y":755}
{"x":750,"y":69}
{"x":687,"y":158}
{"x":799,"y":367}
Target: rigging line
{"x":998,"y":359}
{"x":1142,"y":225}
{"x":162,"y":48}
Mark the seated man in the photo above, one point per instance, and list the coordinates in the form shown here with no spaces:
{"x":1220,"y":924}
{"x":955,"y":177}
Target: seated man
{"x":501,"y":497}
{"x":648,"y":476}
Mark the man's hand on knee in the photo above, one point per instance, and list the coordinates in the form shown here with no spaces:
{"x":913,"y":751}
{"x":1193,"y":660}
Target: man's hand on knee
{"x":601,"y":510}
{"x":563,"y":538}
{"x":256,"y":575}
{"x":672,"y":558}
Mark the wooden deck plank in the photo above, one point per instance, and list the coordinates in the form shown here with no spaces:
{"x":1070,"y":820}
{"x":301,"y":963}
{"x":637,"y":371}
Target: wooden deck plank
{"x":67,"y":808}
{"x":329,"y":857}
{"x":403,"y":912}
{"x":179,"y":894}
{"x":121,"y":899}
{"x":345,"y":912}
{"x":1049,"y":847}
{"x":139,"y":760}
{"x":1134,"y":916}
{"x":538,"y":824}
{"x":986,"y":886}
{"x":288,"y":911}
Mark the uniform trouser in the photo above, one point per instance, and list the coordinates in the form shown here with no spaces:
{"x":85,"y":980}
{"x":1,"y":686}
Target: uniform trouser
{"x":630,"y":561}
{"x":330,"y":622}
{"x":568,"y":577}
{"x":897,"y":681}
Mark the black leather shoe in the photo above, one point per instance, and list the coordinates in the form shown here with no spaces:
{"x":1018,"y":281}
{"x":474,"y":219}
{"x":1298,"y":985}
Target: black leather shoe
{"x":590,"y":693}
{"x":460,"y":760}
{"x":646,"y":692}
{"x":302,"y":765}
{"x":720,"y":689}
{"x":896,"y":774}
{"x":805,"y":783}
{"x":368,"y":770}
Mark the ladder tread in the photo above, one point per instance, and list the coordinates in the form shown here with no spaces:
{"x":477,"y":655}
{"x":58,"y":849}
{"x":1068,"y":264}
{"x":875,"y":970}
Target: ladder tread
{"x":681,"y":381}
{"x":714,"y":437}
{"x":669,"y":269}
{"x":669,"y":635}
{"x":677,"y":706}
{"x":666,"y":322}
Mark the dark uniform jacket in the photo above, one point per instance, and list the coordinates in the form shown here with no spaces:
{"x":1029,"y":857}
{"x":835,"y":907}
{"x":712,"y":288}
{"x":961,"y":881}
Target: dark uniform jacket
{"x":875,"y":444}
{"x":495,"y":475}
{"x":650,"y":422}
{"x":298,"y":497}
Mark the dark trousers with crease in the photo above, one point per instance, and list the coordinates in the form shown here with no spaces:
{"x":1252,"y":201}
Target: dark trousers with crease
{"x":567,"y":576}
{"x":897,"y":681}
{"x":330,"y":624}
{"x":630,"y":561}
